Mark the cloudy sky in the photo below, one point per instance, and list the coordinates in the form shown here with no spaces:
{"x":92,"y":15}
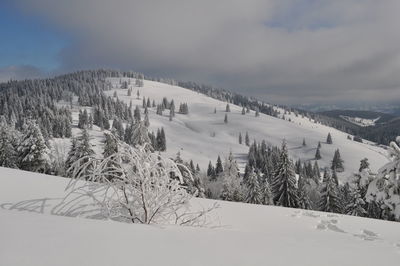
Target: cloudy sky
{"x":283,"y":51}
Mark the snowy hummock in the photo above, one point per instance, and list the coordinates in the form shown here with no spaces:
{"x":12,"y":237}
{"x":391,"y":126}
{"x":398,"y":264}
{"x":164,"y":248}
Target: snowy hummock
{"x":362,"y":122}
{"x":243,"y":234}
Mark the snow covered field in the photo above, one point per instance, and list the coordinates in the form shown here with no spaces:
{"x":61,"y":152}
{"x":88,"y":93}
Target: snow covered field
{"x":202,"y":135}
{"x":244,"y":234}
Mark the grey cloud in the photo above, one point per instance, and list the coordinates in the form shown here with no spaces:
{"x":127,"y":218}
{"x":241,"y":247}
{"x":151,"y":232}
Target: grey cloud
{"x":281,"y":50}
{"x":19,"y":72}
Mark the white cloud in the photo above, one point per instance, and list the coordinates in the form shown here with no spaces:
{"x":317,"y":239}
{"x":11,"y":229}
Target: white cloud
{"x":276,"y":49}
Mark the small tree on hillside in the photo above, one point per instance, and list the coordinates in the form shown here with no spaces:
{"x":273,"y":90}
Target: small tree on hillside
{"x":329,"y":139}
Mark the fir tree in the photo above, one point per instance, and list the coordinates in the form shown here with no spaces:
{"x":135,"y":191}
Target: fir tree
{"x":136,"y":114}
{"x":110,"y":145}
{"x":364,"y":164}
{"x":218,"y":166}
{"x":284,"y":182}
{"x":329,"y":139}
{"x":33,"y":153}
{"x":304,"y":142}
{"x":317,"y":154}
{"x":247,"y":139}
{"x":81,"y":151}
{"x":357,"y":205}
{"x":8,"y":155}
{"x":337,"y":162}
{"x":227,"y":109}
{"x":254,"y":195}
{"x":226,"y":119}
{"x":211,"y":171}
{"x":330,"y":200}
{"x":240,"y":138}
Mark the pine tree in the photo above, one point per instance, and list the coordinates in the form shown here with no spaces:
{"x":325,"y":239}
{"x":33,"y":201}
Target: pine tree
{"x":81,"y":151}
{"x":33,"y":153}
{"x":247,"y":139}
{"x":254,"y":195}
{"x":319,"y":145}
{"x":226,"y":119}
{"x":146,"y":120}
{"x":364,"y":164}
{"x":284,"y":182}
{"x":317,"y":173}
{"x":110,"y":145}
{"x":329,"y":139}
{"x":357,"y":205}
{"x":136,"y":114}
{"x":218,"y":166}
{"x":8,"y":155}
{"x":215,"y":110}
{"x":330,"y":200}
{"x":227,"y":109}
{"x":304,"y":142}
{"x":337,"y":162}
{"x":240,"y":138}
{"x":317,"y":154}
{"x":140,"y":135}
{"x":232,"y":190}
{"x":211,"y":171}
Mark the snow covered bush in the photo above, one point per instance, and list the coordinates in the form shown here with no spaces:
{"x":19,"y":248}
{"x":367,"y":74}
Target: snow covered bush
{"x":385,"y":189}
{"x":135,"y":185}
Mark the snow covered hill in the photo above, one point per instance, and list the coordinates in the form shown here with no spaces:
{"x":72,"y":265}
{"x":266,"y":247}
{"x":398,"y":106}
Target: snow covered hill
{"x":202,"y":135}
{"x":244,"y":234}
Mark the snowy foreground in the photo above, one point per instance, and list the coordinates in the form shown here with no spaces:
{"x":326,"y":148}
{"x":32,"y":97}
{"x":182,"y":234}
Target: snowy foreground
{"x":239,"y":234}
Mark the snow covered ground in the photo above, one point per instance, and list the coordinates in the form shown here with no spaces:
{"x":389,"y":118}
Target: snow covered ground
{"x":30,"y":234}
{"x":203,"y":135}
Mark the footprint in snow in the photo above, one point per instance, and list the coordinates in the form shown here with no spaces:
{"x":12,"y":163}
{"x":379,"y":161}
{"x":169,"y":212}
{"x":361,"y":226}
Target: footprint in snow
{"x":330,"y":225}
{"x":367,"y":235}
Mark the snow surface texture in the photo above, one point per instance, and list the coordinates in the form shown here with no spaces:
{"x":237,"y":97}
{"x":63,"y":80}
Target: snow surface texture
{"x":202,"y":135}
{"x":363,"y":122}
{"x":244,"y":234}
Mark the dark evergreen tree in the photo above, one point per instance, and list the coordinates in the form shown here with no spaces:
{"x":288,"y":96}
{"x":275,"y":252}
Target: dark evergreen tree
{"x":218,"y":166}
{"x":364,"y":164}
{"x":226,"y":119}
{"x":330,"y":200}
{"x":329,"y":139}
{"x":211,"y":171}
{"x":247,"y":139}
{"x":82,"y":152}
{"x":240,"y":138}
{"x":318,"y":154}
{"x":8,"y":155}
{"x":284,"y":182}
{"x":337,"y":162}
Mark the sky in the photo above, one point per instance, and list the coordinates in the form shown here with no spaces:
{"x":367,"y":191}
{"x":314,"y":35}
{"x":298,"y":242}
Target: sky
{"x":281,"y":51}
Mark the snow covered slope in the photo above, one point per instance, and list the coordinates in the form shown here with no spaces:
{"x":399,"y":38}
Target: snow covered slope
{"x":203,"y":135}
{"x":245,"y":234}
